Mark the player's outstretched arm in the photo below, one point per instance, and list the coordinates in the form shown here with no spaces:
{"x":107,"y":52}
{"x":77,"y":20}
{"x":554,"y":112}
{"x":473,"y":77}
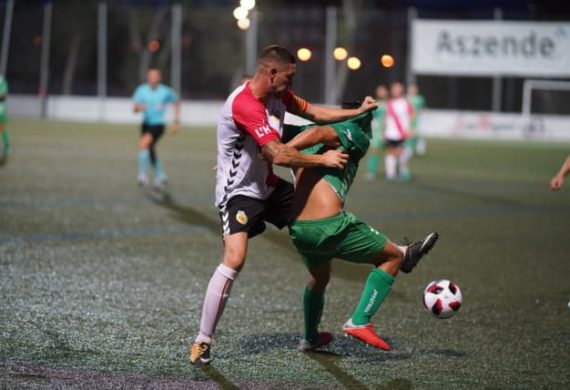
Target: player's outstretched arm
{"x":558,"y":180}
{"x":138,"y":107}
{"x":315,"y":135}
{"x":286,"y":156}
{"x":323,"y":114}
{"x":176,"y":124}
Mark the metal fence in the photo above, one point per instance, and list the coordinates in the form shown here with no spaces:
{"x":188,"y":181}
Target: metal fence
{"x":103,"y":48}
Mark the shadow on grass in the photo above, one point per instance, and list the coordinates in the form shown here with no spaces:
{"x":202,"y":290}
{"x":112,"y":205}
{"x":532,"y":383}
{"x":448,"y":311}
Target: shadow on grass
{"x":329,"y":361}
{"x":465,"y":194}
{"x":188,"y":215}
{"x":215,"y":375}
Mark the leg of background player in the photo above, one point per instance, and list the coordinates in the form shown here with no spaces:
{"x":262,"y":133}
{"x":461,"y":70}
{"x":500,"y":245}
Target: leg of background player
{"x":390,"y":162}
{"x":144,"y":158}
{"x":403,"y":163}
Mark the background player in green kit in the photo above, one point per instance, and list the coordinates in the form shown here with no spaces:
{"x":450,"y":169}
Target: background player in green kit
{"x":377,"y":142}
{"x":321,"y":230}
{"x":3,"y":130}
{"x":416,"y":143}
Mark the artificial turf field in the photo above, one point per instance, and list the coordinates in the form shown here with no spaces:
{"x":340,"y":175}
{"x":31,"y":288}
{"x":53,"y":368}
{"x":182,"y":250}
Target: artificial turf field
{"x":101,"y":283}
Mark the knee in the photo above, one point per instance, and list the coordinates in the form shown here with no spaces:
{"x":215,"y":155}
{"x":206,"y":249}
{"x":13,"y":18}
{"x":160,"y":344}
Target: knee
{"x":234,"y":259}
{"x":319,"y":284}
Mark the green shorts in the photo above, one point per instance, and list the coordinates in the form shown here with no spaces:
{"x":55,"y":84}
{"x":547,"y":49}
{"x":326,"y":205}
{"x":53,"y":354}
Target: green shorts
{"x":342,"y":236}
{"x":2,"y":113}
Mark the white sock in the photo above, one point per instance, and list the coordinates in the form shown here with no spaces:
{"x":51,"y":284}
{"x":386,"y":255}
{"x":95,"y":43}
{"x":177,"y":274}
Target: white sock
{"x":390,"y":162}
{"x":216,"y":297}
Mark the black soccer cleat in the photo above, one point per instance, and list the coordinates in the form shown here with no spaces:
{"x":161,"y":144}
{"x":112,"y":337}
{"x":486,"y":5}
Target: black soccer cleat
{"x":416,"y":251}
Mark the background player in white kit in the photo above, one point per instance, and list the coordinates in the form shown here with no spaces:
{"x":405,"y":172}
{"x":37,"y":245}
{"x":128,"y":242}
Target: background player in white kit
{"x":399,"y":113}
{"x":248,"y":193}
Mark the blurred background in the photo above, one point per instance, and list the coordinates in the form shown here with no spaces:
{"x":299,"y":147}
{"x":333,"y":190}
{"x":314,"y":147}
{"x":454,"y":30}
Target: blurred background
{"x":100,"y":49}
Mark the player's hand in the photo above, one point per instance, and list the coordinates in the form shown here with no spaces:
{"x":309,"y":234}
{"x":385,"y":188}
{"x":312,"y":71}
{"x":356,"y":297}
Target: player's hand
{"x":139,"y":107}
{"x":556,"y":183}
{"x":335,"y":159}
{"x":368,"y":104}
{"x":175,"y":128}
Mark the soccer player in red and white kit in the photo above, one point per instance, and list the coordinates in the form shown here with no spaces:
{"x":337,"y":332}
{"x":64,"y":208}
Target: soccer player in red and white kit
{"x":248,"y":193}
{"x":399,"y":113}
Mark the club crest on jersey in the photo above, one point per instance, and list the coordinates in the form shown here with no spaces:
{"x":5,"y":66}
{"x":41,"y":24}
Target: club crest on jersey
{"x":241,"y":217}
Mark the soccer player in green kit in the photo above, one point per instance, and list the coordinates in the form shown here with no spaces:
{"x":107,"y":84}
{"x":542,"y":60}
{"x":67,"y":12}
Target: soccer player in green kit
{"x":3,"y":130}
{"x":377,"y":142}
{"x":321,"y":230}
{"x":416,"y":143}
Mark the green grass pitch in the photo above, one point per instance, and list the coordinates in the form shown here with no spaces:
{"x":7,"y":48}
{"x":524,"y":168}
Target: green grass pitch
{"x":101,"y":283}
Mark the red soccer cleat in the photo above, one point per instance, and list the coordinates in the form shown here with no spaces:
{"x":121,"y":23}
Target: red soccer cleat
{"x":366,"y":334}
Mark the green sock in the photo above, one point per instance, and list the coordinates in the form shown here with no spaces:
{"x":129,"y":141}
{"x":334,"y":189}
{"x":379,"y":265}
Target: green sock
{"x":313,"y":303}
{"x":6,"y":140}
{"x":376,"y":289}
{"x":373,"y":163}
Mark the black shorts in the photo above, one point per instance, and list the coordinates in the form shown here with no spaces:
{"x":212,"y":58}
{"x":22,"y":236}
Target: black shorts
{"x":245,"y":214}
{"x":155,"y":130}
{"x":394,"y":143}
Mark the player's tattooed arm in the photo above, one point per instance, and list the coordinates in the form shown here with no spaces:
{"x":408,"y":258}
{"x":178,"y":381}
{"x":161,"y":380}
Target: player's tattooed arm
{"x":315,"y":135}
{"x":284,"y":155}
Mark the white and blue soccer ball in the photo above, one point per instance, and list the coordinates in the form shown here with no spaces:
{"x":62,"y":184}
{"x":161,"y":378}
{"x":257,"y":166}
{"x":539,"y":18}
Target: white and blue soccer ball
{"x":442,"y":298}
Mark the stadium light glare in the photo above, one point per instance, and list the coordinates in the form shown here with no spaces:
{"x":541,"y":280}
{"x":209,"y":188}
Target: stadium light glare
{"x":340,"y":54}
{"x":387,"y":60}
{"x":243,"y":24}
{"x":154,"y":46}
{"x":240,"y":13}
{"x":304,"y":54}
{"x":354,"y":63}
{"x":247,"y":4}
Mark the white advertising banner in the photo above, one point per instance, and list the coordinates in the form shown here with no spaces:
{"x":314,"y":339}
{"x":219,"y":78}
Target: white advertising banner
{"x":486,"y":48}
{"x":493,"y":126}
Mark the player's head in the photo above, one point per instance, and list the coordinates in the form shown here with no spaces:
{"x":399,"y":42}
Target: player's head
{"x":381,"y":92}
{"x":396,"y":89}
{"x":412,"y":89}
{"x":278,"y":64}
{"x":153,"y":76}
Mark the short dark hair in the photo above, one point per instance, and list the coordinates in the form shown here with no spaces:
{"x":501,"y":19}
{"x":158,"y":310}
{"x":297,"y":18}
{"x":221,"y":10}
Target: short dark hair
{"x":276,"y":53}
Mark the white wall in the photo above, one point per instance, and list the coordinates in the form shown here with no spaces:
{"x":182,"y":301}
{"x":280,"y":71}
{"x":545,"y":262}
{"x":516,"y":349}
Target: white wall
{"x":434,"y":123}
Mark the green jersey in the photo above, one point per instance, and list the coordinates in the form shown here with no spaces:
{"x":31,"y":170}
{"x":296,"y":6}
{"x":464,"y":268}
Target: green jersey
{"x":379,"y":115}
{"x":418,"y":103}
{"x":3,"y":93}
{"x":354,"y":136}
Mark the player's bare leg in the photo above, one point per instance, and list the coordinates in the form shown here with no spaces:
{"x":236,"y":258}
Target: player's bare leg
{"x":217,"y":294}
{"x":313,"y":303}
{"x":144,"y":158}
{"x":391,"y":162}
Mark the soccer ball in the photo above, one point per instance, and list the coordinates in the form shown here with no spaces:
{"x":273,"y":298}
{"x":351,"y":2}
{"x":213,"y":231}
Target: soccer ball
{"x":442,"y":298}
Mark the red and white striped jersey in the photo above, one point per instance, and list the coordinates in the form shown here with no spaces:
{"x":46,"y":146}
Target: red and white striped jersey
{"x":245,"y":125}
{"x":399,"y":114}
